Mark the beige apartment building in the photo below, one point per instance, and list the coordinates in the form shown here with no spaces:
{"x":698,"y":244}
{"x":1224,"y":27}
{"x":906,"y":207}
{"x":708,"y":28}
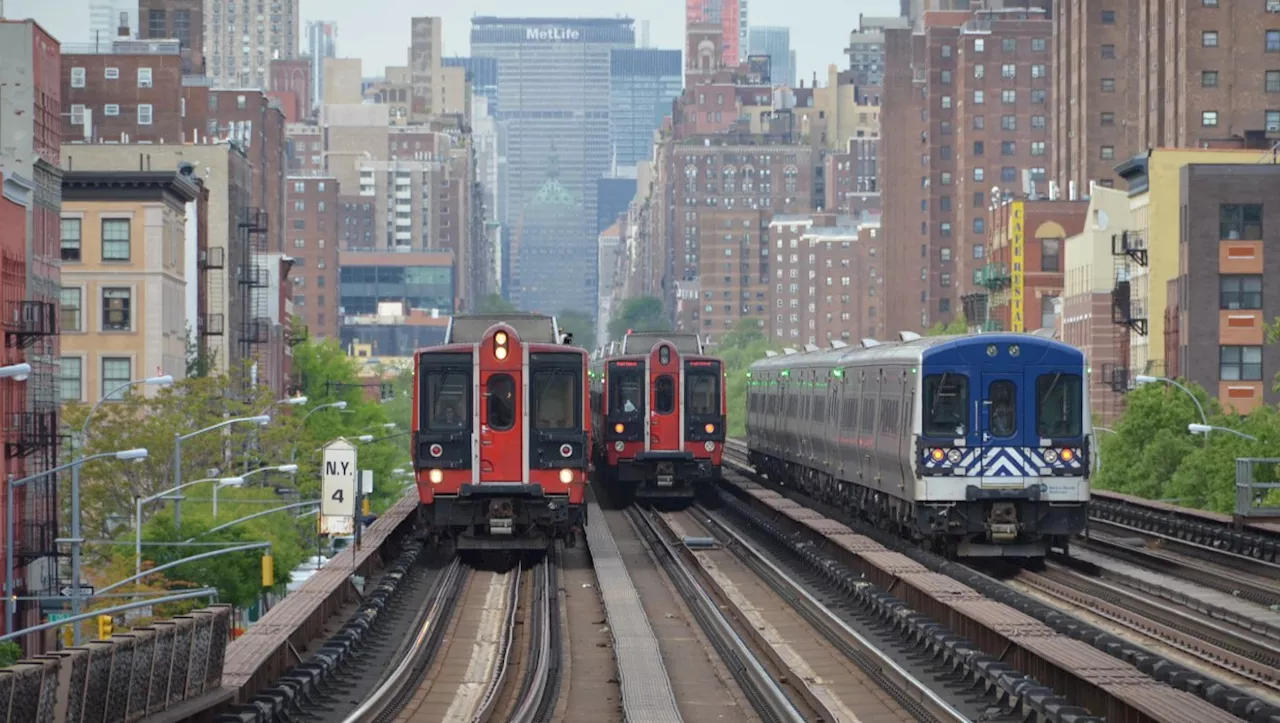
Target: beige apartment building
{"x":124,"y":249}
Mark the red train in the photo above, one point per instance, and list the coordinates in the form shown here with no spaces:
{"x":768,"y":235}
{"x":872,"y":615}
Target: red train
{"x":501,"y":434}
{"x":658,"y":406}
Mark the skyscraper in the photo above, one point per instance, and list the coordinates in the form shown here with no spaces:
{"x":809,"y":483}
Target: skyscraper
{"x":643,"y":84}
{"x":553,"y":85}
{"x":322,"y":42}
{"x":240,"y":44}
{"x":775,"y":42}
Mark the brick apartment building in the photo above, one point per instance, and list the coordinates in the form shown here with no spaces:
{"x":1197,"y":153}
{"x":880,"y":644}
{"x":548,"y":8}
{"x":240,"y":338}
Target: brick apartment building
{"x":130,"y":92}
{"x":313,"y":201}
{"x":965,"y":110}
{"x":181,"y":20}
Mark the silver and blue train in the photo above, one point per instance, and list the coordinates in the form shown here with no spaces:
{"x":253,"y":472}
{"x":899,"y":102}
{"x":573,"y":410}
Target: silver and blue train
{"x":976,"y":445}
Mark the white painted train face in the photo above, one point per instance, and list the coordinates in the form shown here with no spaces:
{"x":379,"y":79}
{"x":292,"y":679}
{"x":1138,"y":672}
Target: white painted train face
{"x":999,"y":426}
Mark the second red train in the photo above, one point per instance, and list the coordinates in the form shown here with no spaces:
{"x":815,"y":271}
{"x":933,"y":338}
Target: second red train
{"x":658,"y":409}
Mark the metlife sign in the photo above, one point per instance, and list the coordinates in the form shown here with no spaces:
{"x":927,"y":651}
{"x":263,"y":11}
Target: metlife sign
{"x":553,"y":35}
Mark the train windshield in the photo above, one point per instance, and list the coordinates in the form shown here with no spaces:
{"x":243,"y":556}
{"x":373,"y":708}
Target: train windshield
{"x":446,"y":406}
{"x":1060,"y":405}
{"x":556,"y":399}
{"x":946,"y":405}
{"x":664,"y":395}
{"x":626,"y":388}
{"x":500,"y":395}
{"x":702,"y":388}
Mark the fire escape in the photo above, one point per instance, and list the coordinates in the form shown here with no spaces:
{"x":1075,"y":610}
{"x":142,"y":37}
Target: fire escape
{"x":995,"y":278}
{"x":211,"y":321}
{"x":1129,"y":315}
{"x":31,"y":432}
{"x":254,"y":282}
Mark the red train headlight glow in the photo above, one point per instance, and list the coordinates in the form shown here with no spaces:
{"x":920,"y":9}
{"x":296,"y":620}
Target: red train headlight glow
{"x":711,"y":428}
{"x":566,"y":476}
{"x":619,"y":427}
{"x":436,"y":476}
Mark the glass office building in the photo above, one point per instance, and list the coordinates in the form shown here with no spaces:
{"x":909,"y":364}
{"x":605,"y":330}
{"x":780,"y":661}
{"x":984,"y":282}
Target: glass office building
{"x":643,"y":84}
{"x":775,"y":43}
{"x":553,"y":106}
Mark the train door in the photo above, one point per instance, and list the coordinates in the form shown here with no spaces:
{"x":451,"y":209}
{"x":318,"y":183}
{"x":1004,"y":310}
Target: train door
{"x":666,"y":391}
{"x":502,"y":424}
{"x":1002,"y":427}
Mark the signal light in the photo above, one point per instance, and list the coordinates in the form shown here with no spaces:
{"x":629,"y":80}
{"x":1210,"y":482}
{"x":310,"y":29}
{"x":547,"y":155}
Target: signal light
{"x":105,"y":626}
{"x":619,"y":427}
{"x":1067,"y":455}
{"x":710,"y":428}
{"x":500,"y":345}
{"x":937,"y":455}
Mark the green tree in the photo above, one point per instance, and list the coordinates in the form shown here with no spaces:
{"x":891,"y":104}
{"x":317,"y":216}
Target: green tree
{"x":200,"y":361}
{"x":643,"y":313}
{"x":582,"y":326}
{"x":494,"y":304}
{"x":10,"y":653}
{"x":741,"y":347}
{"x":958,"y":325}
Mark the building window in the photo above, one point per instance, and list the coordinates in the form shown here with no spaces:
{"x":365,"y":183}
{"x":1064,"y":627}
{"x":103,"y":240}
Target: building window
{"x":944,"y":203}
{"x":979,"y":225}
{"x":945,"y":178}
{"x":1008,"y":71}
{"x":945,"y":51}
{"x":978,"y":197}
{"x":944,"y":280}
{"x":77,"y":114}
{"x":1109,"y":51}
{"x":115,"y":239}
{"x":1039,"y":45}
{"x":1009,"y":122}
{"x":117,"y":309}
{"x":77,"y":77}
{"x":1240,"y":222}
{"x":70,"y":239}
{"x":1108,"y":17}
{"x":1239,"y":292}
{"x":1240,"y":363}
{"x":71,"y":305}
{"x":117,"y":372}
{"x":1273,"y":121}
{"x":1037,"y":148}
{"x":1039,"y":96}
{"x":979,"y":70}
{"x":1209,"y":119}
{"x":979,"y":148}
{"x":1008,"y":96}
{"x":1273,"y":81}
{"x":944,"y":228}
{"x":1050,"y":254}
{"x":979,"y":44}
{"x":979,"y":122}
{"x":1107,"y":119}
{"x":979,"y":174}
{"x":72,"y":378}
{"x":946,"y":77}
{"x":144,"y":77}
{"x":1108,"y":152}
{"x":144,"y":114}
{"x":1208,"y":79}
{"x":1009,"y":45}
{"x":979,"y":251}
{"x":944,"y":153}
{"x":1008,"y":148}
{"x":1108,"y":85}
{"x":1273,"y":41}
{"x":979,"y":97}
{"x":1039,"y":70}
{"x":944,"y":254}
{"x":1008,"y":174}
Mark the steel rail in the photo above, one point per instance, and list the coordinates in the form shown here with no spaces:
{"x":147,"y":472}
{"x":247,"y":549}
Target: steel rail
{"x":831,"y":626}
{"x":766,"y":696}
{"x":536,"y":684}
{"x":495,"y":685}
{"x":388,"y":696}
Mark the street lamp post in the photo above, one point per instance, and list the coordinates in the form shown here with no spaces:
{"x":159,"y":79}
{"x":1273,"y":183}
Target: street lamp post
{"x":77,"y":446}
{"x":177,"y":453}
{"x":16,"y":372}
{"x":10,"y":523}
{"x":286,"y":468}
{"x":1146,"y":379}
{"x":1206,"y":428}
{"x":293,"y":453}
{"x":140,"y":501}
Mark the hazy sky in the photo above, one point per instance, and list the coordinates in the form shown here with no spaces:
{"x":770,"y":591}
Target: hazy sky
{"x":377,"y":31}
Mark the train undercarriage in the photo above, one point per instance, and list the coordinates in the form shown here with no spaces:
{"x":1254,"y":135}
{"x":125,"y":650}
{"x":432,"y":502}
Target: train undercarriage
{"x":503,"y":517}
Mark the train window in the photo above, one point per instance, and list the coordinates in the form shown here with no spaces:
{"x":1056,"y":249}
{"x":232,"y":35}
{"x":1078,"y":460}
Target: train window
{"x":626,"y":390}
{"x":889,"y":416}
{"x":447,"y":395}
{"x":555,"y":400}
{"x":500,"y":396}
{"x":869,"y":416}
{"x":1003,"y":395}
{"x":664,"y":395}
{"x":702,"y":391}
{"x":820,"y":410}
{"x":1060,"y":405}
{"x":946,"y":405}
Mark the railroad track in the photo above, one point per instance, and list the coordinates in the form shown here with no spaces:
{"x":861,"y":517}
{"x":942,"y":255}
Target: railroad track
{"x":461,"y":664}
{"x":985,"y":611}
{"x":764,"y":694}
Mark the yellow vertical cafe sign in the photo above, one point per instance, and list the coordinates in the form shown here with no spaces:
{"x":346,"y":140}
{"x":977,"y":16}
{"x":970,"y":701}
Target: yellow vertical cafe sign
{"x":1017,"y":255}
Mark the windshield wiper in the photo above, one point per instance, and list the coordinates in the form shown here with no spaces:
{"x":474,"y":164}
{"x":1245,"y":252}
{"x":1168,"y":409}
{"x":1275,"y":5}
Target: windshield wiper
{"x":937,"y":394}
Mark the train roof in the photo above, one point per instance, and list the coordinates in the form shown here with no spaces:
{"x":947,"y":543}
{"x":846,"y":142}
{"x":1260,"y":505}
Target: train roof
{"x":910,"y":351}
{"x":640,"y":342}
{"x":530,"y":327}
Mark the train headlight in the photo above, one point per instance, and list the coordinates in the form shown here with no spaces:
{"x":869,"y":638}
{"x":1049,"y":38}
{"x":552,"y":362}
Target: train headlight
{"x":1050,"y":456}
{"x":1067,"y":455}
{"x":500,"y":353}
{"x":619,"y":445}
{"x":709,"y":446}
{"x":711,"y":428}
{"x":436,"y":476}
{"x":566,"y":476}
{"x":619,"y":427}
{"x":500,"y":345}
{"x":500,"y":338}
{"x":937,"y":455}
{"x":954,"y":456}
